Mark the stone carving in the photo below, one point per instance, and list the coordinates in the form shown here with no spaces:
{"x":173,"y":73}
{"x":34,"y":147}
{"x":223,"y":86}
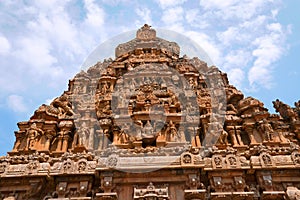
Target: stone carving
{"x":266,"y":160}
{"x":151,"y":192}
{"x":82,"y":166}
{"x":286,"y":112}
{"x":218,"y":161}
{"x":81,"y":136}
{"x":296,"y":158}
{"x":112,"y":161}
{"x":3,"y":166}
{"x":32,"y":135}
{"x":146,"y":33}
{"x":223,"y":137}
{"x":297,"y":108}
{"x":266,"y":130}
{"x":293,"y":193}
{"x":131,"y":113}
{"x":67,"y":166}
{"x":186,"y":159}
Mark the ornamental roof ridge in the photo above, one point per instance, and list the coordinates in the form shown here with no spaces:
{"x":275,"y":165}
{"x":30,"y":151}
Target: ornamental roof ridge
{"x":146,"y":39}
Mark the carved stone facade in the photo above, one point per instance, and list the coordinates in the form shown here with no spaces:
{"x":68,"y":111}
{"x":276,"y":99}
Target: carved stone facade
{"x":151,"y":125}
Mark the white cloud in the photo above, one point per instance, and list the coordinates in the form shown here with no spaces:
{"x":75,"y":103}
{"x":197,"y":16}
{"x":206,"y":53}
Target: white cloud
{"x":269,"y":50}
{"x":234,"y":9}
{"x":229,"y":36}
{"x":191,"y":15}
{"x":172,"y":15}
{"x":58,"y":30}
{"x":274,"y":13}
{"x":236,"y":59}
{"x":145,"y":15}
{"x":4,"y":45}
{"x":114,"y":2}
{"x":197,"y":19}
{"x":260,"y":77}
{"x":35,"y":52}
{"x":217,"y":4}
{"x":169,"y":3}
{"x":236,"y":77}
{"x":16,"y":103}
{"x":207,"y":44}
{"x":95,"y":14}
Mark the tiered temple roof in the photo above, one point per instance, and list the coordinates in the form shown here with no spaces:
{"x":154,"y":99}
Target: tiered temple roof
{"x":150,"y":124}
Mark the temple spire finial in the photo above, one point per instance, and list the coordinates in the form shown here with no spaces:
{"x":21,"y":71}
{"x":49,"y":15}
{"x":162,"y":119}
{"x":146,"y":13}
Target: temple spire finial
{"x":146,"y":33}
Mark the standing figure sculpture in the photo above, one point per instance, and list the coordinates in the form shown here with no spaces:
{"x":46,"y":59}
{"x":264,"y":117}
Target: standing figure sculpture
{"x":32,"y":133}
{"x":81,"y":135}
{"x":266,"y":130}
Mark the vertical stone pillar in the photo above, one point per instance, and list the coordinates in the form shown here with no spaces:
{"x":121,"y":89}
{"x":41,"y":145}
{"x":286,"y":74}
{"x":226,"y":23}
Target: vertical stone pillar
{"x":48,"y":141}
{"x":231,"y":131}
{"x":65,"y":142}
{"x":19,"y":135}
{"x":238,"y":135}
{"x":65,"y":130}
{"x":91,"y":138}
{"x":249,"y":129}
{"x":116,"y":137}
{"x":59,"y":143}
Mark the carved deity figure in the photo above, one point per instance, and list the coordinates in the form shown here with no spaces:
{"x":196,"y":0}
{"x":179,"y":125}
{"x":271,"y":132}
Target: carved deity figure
{"x":81,"y":135}
{"x":104,"y":88}
{"x":32,"y":133}
{"x":267,"y":159}
{"x":172,"y":132}
{"x":232,"y":160}
{"x":218,"y":161}
{"x":148,"y":131}
{"x":266,"y":131}
{"x":63,"y":105}
{"x":173,"y":99}
{"x":140,"y":97}
{"x":192,"y":83}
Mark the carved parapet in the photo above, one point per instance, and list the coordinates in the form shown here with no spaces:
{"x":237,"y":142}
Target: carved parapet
{"x":146,"y":38}
{"x":106,"y":196}
{"x":266,"y":195}
{"x":194,"y":194}
{"x":73,"y":188}
{"x":151,"y":192}
{"x":292,"y":193}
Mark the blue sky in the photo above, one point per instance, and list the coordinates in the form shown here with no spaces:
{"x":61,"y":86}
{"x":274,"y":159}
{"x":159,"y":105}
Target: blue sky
{"x":44,"y":43}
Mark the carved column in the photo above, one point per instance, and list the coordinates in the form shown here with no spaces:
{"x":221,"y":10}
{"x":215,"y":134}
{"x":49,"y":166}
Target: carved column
{"x":249,"y":129}
{"x":64,"y":135}
{"x":49,"y":136}
{"x":238,"y":135}
{"x":116,"y":137}
{"x":66,"y":138}
{"x":59,"y":143}
{"x":231,"y":131}
{"x":19,"y":135}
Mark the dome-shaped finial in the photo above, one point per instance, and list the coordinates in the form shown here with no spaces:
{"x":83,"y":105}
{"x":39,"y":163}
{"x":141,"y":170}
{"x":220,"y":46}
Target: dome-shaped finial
{"x":146,"y":33}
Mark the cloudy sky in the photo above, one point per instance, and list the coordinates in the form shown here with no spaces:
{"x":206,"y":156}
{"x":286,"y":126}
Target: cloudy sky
{"x":44,"y":43}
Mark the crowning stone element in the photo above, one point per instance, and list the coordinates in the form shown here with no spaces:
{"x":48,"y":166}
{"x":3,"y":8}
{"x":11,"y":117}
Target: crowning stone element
{"x":131,"y":117}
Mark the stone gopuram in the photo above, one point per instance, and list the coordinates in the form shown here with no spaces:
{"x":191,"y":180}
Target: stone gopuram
{"x":151,"y":125}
